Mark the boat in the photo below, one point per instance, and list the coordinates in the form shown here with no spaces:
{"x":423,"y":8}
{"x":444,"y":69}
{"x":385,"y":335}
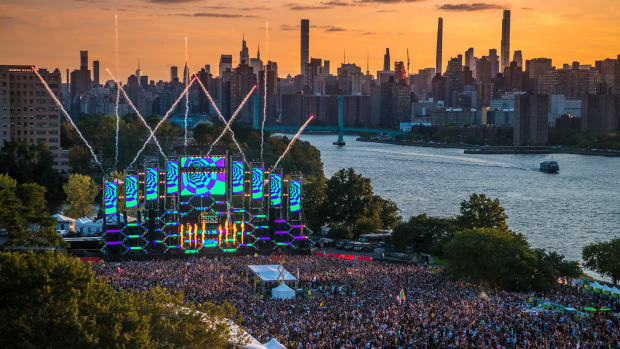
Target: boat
{"x":549,"y":166}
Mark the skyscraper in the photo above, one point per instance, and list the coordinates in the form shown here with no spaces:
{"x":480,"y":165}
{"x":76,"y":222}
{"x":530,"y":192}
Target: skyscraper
{"x":469,"y":58}
{"x":386,"y":60}
{"x":530,"y":121}
{"x":518,"y":58}
{"x":494,"y":62}
{"x":96,"y":73}
{"x":225,"y":64}
{"x":244,"y":54}
{"x":174,"y":73}
{"x":439,"y":45}
{"x":83,"y":60}
{"x":305,"y":44}
{"x":505,"y":54}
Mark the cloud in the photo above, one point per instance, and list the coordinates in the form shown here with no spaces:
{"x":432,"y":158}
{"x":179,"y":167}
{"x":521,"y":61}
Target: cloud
{"x":298,"y":7}
{"x":215,"y":15}
{"x":388,"y":1}
{"x":476,"y":6}
{"x":326,"y":28}
{"x":171,"y":1}
{"x":527,"y":8}
{"x":336,"y":3}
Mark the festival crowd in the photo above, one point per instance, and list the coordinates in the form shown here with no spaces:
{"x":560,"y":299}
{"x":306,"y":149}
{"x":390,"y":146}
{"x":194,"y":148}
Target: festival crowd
{"x":359,"y":304}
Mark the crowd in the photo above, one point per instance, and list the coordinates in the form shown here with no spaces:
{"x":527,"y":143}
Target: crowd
{"x":356,"y":304}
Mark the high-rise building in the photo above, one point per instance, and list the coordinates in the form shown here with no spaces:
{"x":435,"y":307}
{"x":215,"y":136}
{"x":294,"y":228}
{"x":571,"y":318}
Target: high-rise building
{"x":399,"y":71}
{"x":96,"y":73}
{"x":469,"y":59}
{"x":505,"y":49}
{"x":83,"y":60}
{"x":439,"y":46}
{"x":600,"y":113}
{"x":28,"y":113}
{"x":305,"y":44}
{"x":185,"y":75}
{"x":518,"y":58}
{"x":244,"y":54}
{"x":454,"y":80}
{"x":225,"y":64}
{"x":386,"y":60}
{"x":494,"y":60}
{"x":350,"y":79}
{"x":530,"y":120}
{"x":174,"y":73}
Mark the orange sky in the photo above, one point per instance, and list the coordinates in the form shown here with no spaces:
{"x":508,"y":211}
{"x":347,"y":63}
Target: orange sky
{"x":49,"y":33}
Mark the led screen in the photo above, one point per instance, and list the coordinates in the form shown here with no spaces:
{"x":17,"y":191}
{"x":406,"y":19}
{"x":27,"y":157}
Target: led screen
{"x":172,"y":177}
{"x":276,"y":189}
{"x":212,"y":161}
{"x":131,"y":191}
{"x":151,"y":184}
{"x":237,"y":177}
{"x":257,"y":183}
{"x":295,"y":196}
{"x":110,"y":197}
{"x":203,"y":183}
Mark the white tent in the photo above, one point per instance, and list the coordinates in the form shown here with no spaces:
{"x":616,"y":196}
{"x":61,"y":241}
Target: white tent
{"x":271,"y":273}
{"x":282,"y":292}
{"x":274,"y":344}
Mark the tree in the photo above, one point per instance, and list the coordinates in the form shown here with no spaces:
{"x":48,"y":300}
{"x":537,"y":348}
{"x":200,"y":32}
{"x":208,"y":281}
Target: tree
{"x":349,"y":196}
{"x":491,"y":257}
{"x":79,"y":159}
{"x":313,"y":200}
{"x":482,"y":212}
{"x":424,"y":234}
{"x":56,"y":302}
{"x":389,"y":213}
{"x":604,"y":258}
{"x":24,"y":216}
{"x":81,"y":192}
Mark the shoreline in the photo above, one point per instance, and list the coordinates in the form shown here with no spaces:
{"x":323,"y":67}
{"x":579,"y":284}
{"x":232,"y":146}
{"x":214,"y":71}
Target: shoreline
{"x":496,"y":150}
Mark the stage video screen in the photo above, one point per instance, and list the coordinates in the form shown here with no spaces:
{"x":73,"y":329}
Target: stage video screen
{"x":151,"y":184}
{"x":295,"y":196}
{"x":276,"y":189}
{"x":203,"y":161}
{"x":110,"y":197}
{"x":237,"y":177}
{"x":131,"y":191}
{"x":172,"y":177}
{"x":257,"y":183}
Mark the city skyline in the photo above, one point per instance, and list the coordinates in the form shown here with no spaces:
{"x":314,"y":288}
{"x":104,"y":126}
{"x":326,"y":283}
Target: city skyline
{"x":33,"y":34}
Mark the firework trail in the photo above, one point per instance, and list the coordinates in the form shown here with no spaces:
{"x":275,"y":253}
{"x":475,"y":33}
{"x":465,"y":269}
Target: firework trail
{"x":262,"y":128}
{"x":290,"y":144}
{"x":186,"y":78}
{"x":221,"y":118}
{"x":118,"y":85}
{"x":62,"y":109}
{"x":245,"y":100}
{"x":174,"y":105}
{"x":118,"y":93}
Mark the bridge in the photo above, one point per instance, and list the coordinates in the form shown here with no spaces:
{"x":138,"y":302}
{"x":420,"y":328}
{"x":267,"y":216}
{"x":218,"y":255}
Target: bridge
{"x":340,"y":129}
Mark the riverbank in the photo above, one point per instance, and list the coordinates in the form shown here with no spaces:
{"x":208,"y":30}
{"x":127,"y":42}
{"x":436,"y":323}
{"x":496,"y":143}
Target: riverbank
{"x":496,"y":150}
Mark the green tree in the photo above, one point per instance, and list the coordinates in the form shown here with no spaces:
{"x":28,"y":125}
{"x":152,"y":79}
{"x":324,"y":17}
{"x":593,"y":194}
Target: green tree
{"x":491,"y":257}
{"x":81,"y":191}
{"x":389,"y":214}
{"x":24,"y":216}
{"x":604,"y":258}
{"x":552,"y":266}
{"x":424,"y":234}
{"x":482,"y":212}
{"x":56,"y":302}
{"x":80,"y":159}
{"x":313,"y":200}
{"x":349,"y":196}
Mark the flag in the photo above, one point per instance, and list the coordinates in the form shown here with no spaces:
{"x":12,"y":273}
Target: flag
{"x":402,"y":295}
{"x":119,"y":269}
{"x":321,"y":305}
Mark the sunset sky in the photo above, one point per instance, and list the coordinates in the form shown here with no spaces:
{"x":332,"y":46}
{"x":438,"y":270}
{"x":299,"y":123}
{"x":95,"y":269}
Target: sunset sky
{"x":50,"y":33}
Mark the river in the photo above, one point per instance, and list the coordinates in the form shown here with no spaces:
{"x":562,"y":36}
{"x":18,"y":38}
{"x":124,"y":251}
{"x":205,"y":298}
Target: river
{"x":561,"y":212}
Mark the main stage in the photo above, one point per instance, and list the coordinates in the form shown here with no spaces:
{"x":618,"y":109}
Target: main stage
{"x":207,"y":205}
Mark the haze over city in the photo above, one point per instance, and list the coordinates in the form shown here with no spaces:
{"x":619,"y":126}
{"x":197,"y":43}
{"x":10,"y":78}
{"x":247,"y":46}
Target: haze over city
{"x":153,"y":31}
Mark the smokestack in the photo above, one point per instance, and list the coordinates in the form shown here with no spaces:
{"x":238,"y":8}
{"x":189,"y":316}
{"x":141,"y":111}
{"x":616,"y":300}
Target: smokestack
{"x":439,"y":45}
{"x":505,"y":54}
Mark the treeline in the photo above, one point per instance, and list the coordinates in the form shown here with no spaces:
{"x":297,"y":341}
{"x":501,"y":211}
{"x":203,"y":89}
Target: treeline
{"x":55,"y":301}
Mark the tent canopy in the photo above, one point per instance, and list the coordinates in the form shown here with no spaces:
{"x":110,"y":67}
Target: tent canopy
{"x":282,"y":292}
{"x":274,"y":344}
{"x":271,"y":273}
